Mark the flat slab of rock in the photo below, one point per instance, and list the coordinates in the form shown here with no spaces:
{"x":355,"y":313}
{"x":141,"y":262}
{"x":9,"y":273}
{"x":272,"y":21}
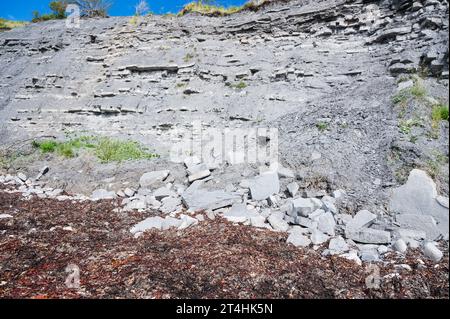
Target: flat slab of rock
{"x":298,"y":239}
{"x":371,"y":236}
{"x":100,"y":194}
{"x":149,"y":223}
{"x":293,"y":188}
{"x":152,"y":178}
{"x":326,"y":224}
{"x":203,"y":199}
{"x":305,"y":206}
{"x":163,"y":192}
{"x":362,"y":219}
{"x":419,"y":196}
{"x":423,"y":223}
{"x":264,"y":186}
{"x":278,"y":223}
{"x":338,"y":245}
{"x":240,"y":214}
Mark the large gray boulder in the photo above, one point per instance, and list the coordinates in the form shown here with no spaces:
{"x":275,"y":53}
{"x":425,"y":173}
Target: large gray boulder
{"x":419,"y":197}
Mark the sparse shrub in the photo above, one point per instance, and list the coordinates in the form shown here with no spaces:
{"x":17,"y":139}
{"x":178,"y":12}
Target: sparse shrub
{"x":141,"y":8}
{"x":322,"y":126}
{"x":188,"y":57}
{"x":93,"y":8}
{"x":401,"y":97}
{"x":58,"y":8}
{"x":46,"y":146}
{"x":438,"y":114}
{"x":418,"y":90}
{"x":406,"y":126}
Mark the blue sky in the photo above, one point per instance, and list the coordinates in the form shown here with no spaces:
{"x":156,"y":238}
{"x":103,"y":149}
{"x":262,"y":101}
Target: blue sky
{"x":22,"y":9}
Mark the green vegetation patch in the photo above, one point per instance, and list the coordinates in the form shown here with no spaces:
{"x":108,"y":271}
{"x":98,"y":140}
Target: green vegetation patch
{"x":239,"y":85}
{"x":8,"y":24}
{"x":406,"y":126}
{"x":417,"y":91}
{"x":439,"y":113}
{"x":322,"y":126}
{"x":104,"y":148}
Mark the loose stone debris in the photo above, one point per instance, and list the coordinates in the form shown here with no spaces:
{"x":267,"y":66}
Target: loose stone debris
{"x":308,"y":221}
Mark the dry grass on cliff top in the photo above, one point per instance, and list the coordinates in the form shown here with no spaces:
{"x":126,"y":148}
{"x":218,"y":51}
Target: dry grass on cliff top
{"x":8,"y":24}
{"x":216,"y":11}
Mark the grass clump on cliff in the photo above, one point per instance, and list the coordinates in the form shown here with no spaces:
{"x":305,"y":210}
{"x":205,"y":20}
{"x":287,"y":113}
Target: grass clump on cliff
{"x":208,"y":8}
{"x":104,"y":148}
{"x":8,"y":24}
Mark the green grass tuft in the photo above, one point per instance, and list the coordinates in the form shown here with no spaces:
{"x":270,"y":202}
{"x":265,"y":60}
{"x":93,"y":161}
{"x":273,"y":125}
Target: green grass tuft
{"x":109,"y":150}
{"x":439,"y":113}
{"x":322,"y":126}
{"x":406,"y":126}
{"x":240,"y":85}
{"x":105,"y":149}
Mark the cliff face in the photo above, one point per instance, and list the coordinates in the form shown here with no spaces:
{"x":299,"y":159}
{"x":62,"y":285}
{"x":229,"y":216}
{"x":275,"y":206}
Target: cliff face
{"x":322,"y":72}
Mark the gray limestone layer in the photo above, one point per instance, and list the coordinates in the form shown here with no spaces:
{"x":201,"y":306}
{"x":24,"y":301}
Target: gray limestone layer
{"x":321,"y":72}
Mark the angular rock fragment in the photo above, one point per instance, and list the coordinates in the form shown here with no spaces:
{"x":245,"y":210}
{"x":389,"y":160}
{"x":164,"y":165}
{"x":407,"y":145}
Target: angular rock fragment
{"x":432,"y":252}
{"x":305,"y":206}
{"x":100,"y":194}
{"x":362,"y":219}
{"x":146,"y":224}
{"x":318,"y":237}
{"x":298,"y":239}
{"x":293,"y":188}
{"x":203,"y":199}
{"x":278,"y":223}
{"x":370,"y":236}
{"x":326,"y":224}
{"x":338,"y":245}
{"x":152,"y":178}
{"x":239,"y":214}
{"x":264,"y":185}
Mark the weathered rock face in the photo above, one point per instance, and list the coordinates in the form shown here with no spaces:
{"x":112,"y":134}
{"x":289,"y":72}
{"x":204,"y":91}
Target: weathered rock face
{"x":322,"y":72}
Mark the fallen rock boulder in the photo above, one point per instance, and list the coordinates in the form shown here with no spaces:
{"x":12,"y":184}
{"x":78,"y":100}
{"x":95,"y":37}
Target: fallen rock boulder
{"x":419,"y":197}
